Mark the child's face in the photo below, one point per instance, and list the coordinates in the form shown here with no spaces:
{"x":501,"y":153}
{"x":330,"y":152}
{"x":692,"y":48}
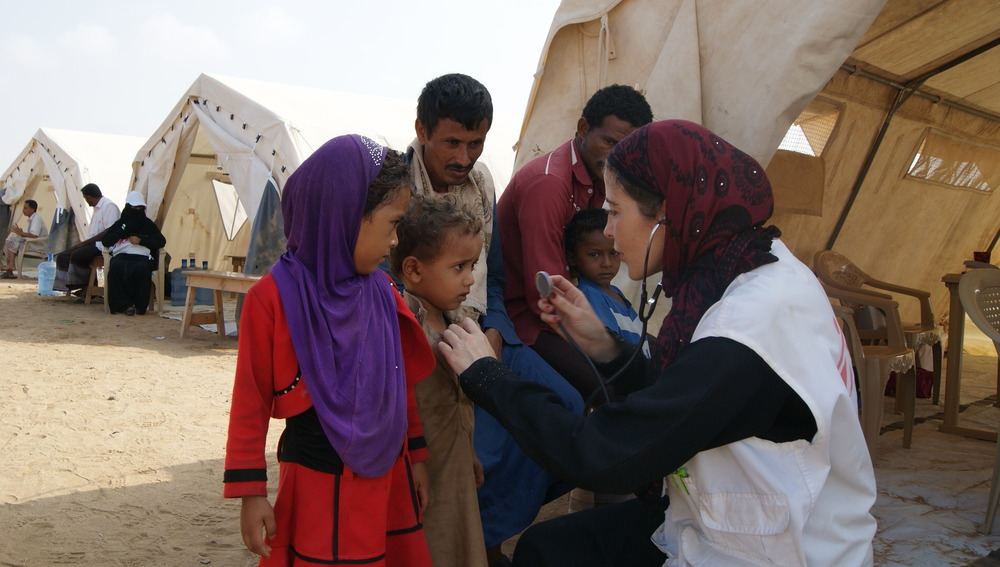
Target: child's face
{"x":595,"y":258}
{"x":378,"y":233}
{"x":446,"y":280}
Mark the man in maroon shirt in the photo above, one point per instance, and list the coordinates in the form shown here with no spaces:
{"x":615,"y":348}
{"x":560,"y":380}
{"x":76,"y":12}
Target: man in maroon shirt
{"x":538,"y":202}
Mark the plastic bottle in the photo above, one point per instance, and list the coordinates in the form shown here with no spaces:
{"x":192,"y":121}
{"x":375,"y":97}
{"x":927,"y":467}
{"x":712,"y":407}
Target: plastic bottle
{"x":46,"y":276}
{"x":184,"y":263}
{"x":204,"y":264}
{"x":192,"y":264}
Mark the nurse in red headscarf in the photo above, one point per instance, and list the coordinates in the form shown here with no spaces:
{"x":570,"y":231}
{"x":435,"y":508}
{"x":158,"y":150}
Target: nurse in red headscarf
{"x":740,"y":434}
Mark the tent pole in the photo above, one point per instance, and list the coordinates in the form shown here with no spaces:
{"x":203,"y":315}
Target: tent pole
{"x":863,"y":173}
{"x":853,"y":70}
{"x":994,"y":243}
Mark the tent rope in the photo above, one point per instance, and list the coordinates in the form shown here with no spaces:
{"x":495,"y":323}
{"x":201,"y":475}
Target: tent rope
{"x":604,"y":52}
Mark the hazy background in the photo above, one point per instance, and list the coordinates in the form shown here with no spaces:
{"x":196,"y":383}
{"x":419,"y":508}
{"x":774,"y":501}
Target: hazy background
{"x":118,"y":67}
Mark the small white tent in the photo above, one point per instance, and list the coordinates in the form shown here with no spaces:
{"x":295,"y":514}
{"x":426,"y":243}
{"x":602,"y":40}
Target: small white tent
{"x":56,"y":164}
{"x":253,"y":135}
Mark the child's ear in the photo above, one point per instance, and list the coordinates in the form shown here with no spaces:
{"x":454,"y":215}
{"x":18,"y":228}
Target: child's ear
{"x":411,"y":268}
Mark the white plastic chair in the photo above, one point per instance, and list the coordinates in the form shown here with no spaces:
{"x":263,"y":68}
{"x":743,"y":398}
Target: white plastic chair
{"x":29,"y":248}
{"x":979,"y":291}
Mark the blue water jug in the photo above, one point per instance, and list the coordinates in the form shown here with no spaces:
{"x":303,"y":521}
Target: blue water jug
{"x":178,"y":286}
{"x":178,"y":290}
{"x":46,"y":276}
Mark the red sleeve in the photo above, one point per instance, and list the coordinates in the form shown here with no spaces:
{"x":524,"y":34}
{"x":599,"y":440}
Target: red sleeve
{"x":420,"y":361}
{"x":253,"y":396}
{"x":543,"y":206}
{"x":416,"y":444}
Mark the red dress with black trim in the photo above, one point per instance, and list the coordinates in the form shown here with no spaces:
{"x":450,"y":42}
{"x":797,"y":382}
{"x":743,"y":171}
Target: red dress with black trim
{"x":325,"y":513}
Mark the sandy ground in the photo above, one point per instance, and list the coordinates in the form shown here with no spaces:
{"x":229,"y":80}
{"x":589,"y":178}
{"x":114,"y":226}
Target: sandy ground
{"x":112,"y":432}
{"x":113,"y":429}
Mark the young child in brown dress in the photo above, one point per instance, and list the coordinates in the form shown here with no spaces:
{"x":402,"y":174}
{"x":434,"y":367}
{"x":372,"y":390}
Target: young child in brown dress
{"x":439,"y":244}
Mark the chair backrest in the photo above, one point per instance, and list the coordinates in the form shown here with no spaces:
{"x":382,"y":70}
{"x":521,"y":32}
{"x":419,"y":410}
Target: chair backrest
{"x":892,"y":333}
{"x":836,"y":270}
{"x":979,"y":291}
{"x":31,"y":248}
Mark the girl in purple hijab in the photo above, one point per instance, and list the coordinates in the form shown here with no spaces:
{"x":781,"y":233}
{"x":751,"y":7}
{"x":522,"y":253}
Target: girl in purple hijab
{"x":327,"y":344}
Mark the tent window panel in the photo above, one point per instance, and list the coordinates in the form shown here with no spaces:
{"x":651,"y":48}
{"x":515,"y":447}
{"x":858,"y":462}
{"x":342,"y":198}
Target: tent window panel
{"x":813,"y":128}
{"x":230,"y":208}
{"x":949,"y":161}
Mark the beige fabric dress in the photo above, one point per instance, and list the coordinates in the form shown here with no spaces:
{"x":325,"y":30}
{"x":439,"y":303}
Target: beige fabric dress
{"x":451,"y":523}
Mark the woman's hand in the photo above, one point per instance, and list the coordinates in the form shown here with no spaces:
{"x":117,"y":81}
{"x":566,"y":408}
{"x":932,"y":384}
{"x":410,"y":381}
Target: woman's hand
{"x":461,"y":345}
{"x":256,"y":514}
{"x":421,"y":484}
{"x":568,"y":305}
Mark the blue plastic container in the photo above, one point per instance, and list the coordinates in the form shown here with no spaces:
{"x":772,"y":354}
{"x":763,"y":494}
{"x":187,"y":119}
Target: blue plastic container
{"x":178,"y":290}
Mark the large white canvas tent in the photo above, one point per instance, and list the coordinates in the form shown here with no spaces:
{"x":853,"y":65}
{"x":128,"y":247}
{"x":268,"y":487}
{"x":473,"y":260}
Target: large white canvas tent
{"x":55,"y":165}
{"x":229,"y":145}
{"x":927,"y":69}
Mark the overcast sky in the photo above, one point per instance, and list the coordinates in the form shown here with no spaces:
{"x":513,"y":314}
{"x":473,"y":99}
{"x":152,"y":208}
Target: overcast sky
{"x":119,"y":66}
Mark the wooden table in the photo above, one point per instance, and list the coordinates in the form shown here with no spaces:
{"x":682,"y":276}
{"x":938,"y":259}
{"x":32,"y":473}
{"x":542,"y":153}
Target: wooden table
{"x":218,"y":282}
{"x":953,"y":377}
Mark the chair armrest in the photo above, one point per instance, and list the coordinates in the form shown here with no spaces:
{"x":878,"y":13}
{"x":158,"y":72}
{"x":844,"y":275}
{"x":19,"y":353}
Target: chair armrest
{"x":923,"y":297}
{"x":894,"y":331}
{"x":834,"y":284}
{"x":31,"y":240}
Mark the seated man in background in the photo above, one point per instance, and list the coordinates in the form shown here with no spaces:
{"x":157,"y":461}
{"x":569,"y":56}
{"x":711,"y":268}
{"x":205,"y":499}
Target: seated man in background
{"x":538,"y":203}
{"x":18,"y":237}
{"x":73,"y":263}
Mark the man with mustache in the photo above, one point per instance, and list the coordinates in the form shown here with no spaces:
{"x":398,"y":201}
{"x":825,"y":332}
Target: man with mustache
{"x":538,"y":203}
{"x":454,"y":114}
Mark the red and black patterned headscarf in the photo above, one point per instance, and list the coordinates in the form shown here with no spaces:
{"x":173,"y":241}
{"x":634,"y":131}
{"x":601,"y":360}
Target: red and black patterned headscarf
{"x":717,"y":199}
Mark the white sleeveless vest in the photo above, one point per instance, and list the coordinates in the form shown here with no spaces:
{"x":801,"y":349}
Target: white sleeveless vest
{"x":755,"y":502}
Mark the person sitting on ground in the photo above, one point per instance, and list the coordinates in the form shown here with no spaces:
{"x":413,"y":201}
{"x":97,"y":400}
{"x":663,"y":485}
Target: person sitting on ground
{"x":18,"y":237}
{"x":73,"y":263}
{"x":593,"y":260}
{"x":134,"y":241}
{"x":439,"y":245}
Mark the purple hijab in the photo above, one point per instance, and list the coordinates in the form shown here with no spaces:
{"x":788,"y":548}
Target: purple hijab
{"x":343,"y":325}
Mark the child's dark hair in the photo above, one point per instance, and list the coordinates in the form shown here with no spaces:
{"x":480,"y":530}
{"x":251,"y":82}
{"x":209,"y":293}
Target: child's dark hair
{"x":424,"y":230}
{"x":393,"y":176}
{"x":585,"y":221}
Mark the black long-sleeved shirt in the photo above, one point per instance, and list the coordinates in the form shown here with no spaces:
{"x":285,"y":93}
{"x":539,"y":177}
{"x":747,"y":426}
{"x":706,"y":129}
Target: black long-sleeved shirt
{"x":716,"y":392}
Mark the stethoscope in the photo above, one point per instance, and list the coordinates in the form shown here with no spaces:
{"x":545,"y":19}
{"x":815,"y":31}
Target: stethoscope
{"x":647,"y":306}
